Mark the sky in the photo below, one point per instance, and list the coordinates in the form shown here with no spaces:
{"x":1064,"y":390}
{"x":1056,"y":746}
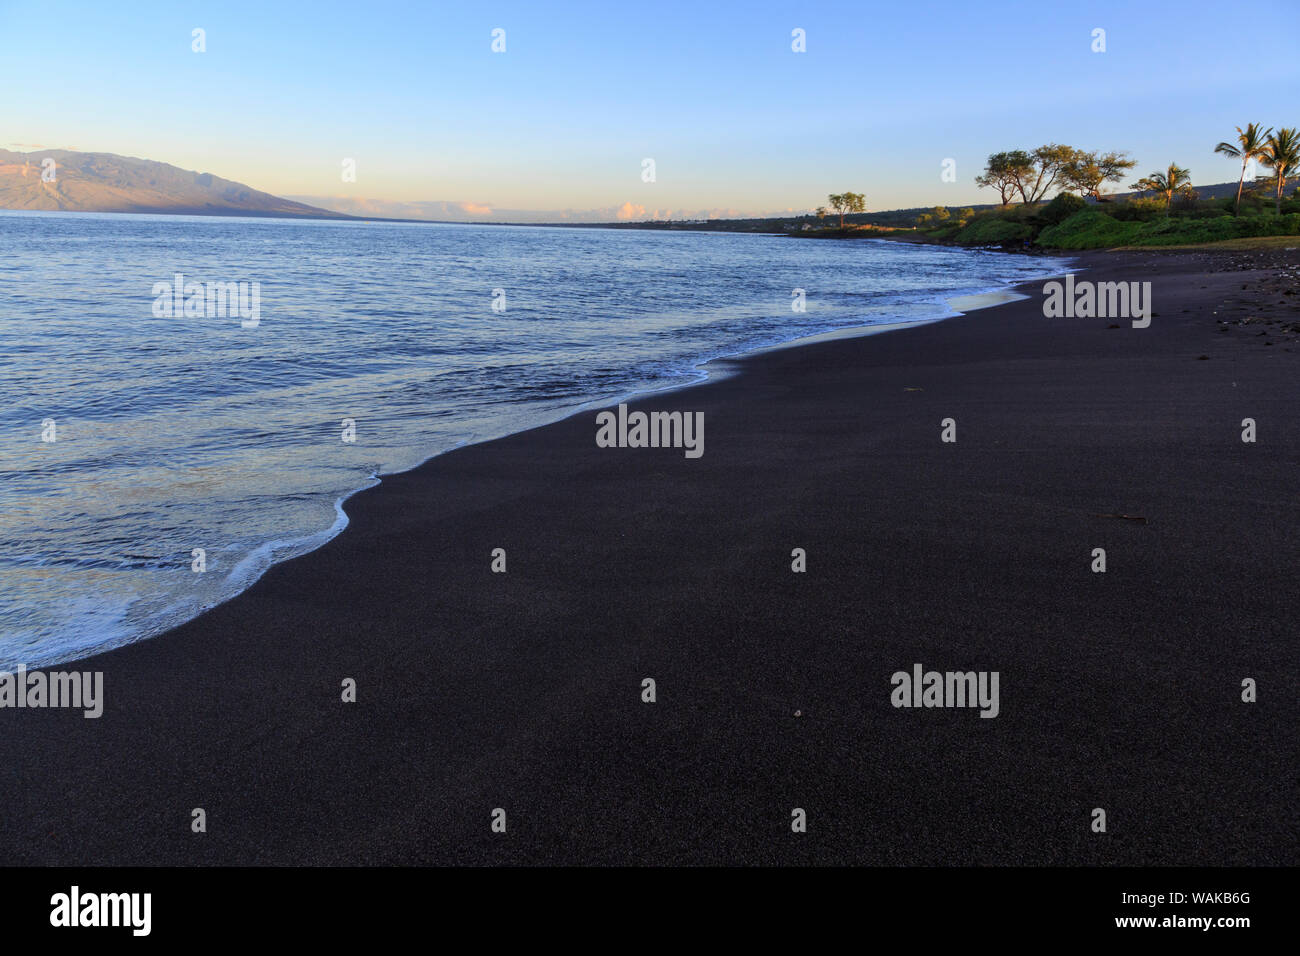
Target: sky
{"x":735,"y":121}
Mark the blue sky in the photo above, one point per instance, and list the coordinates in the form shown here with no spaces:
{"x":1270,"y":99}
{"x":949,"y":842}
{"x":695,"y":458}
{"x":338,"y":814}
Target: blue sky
{"x":733,"y":119}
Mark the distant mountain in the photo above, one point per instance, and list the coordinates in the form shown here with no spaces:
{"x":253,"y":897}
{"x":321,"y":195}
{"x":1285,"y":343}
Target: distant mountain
{"x":106,"y":182}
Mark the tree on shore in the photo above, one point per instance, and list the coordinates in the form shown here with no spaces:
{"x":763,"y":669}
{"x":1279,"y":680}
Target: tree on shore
{"x":1174,"y":180}
{"x":844,"y":203}
{"x":821,"y":212}
{"x":1004,"y":171}
{"x":1250,"y":145}
{"x":1050,"y":163}
{"x":1282,"y":155}
{"x":1032,"y":174}
{"x":1089,"y":172}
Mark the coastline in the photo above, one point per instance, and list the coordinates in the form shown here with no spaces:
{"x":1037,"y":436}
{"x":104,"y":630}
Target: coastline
{"x":124,"y":628}
{"x":522,"y":690}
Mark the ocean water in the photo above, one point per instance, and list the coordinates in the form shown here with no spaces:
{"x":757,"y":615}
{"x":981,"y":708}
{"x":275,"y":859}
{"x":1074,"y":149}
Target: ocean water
{"x":174,"y":433}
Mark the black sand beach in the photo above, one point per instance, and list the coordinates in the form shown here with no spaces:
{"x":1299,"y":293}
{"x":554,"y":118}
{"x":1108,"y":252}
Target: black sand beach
{"x":522,"y":690}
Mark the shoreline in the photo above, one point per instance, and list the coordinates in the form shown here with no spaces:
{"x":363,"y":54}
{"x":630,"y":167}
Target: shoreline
{"x":522,"y":690}
{"x":254,"y":565}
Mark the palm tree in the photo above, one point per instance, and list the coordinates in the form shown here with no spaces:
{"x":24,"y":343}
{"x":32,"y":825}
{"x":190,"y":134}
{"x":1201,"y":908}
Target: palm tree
{"x":1175,"y":179}
{"x":1282,"y":154}
{"x":1249,"y":145}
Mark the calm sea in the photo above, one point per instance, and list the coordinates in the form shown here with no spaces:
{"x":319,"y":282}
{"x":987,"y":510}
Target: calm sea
{"x":177,"y":433}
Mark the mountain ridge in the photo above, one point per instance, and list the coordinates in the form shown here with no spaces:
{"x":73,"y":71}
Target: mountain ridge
{"x":109,"y":182}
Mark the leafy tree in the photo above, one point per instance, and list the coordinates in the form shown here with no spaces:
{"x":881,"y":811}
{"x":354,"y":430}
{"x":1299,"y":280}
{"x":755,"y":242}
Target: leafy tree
{"x":1174,"y":180}
{"x":1032,"y":175}
{"x":1089,"y":172}
{"x":940,"y":213}
{"x":843,"y":203}
{"x":1004,"y":171}
{"x":821,"y":212}
{"x":1250,"y":145}
{"x":1049,"y":164}
{"x":1282,"y":155}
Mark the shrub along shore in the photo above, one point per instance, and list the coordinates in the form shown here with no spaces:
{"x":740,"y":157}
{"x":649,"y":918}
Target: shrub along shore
{"x":1165,"y":210}
{"x":1069,"y":222}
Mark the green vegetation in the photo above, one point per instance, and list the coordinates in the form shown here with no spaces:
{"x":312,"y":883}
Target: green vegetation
{"x":844,"y":203}
{"x":1062,"y":208}
{"x":1090,"y":172}
{"x":1031,"y":175}
{"x":1004,"y":172}
{"x":1249,"y":146}
{"x":1090,"y":230}
{"x":988,"y":230}
{"x":1096,"y":230}
{"x":1175,"y":181}
{"x":1164,"y":210}
{"x":1282,"y":154}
